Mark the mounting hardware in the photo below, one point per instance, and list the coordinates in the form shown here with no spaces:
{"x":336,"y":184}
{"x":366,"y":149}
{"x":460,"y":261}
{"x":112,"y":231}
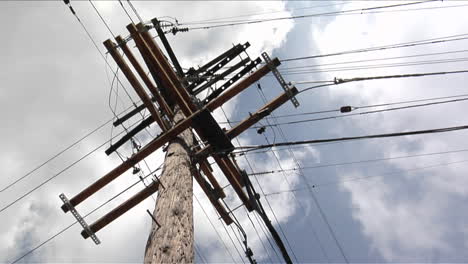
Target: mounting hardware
{"x":261,"y":130}
{"x":153,"y":218}
{"x":135,"y":170}
{"x":346,"y":109}
{"x":80,"y":219}
{"x":276,"y":73}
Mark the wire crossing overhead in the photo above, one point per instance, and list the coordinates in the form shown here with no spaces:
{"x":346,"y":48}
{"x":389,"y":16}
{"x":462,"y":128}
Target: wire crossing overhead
{"x":314,"y":141}
{"x":174,"y":107}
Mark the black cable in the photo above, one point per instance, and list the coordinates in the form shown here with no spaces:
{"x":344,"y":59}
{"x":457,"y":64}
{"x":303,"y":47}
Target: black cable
{"x":271,"y":229}
{"x":359,"y":161}
{"x":102,"y":18}
{"x":59,"y":173}
{"x":69,"y":226}
{"x":135,"y":11}
{"x":385,"y":47}
{"x":199,"y":253}
{"x":100,"y":52}
{"x":361,"y":10}
{"x":375,"y":59}
{"x":411,"y":75}
{"x":61,"y":152}
{"x":366,"y":106}
{"x":374,"y":66}
{"x":256,"y":14}
{"x":125,"y":10}
{"x":397,"y":134}
{"x":363,"y":113}
{"x":371,"y":176}
{"x":284,"y":175}
{"x":212,"y":225}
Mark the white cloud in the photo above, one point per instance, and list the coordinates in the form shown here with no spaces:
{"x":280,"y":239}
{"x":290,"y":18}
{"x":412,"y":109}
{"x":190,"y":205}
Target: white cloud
{"x":403,"y":226}
{"x":59,"y":88}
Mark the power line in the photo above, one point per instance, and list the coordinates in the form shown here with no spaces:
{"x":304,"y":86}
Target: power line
{"x":135,"y":11}
{"x":245,"y":22}
{"x":102,"y":18}
{"x":284,"y":175}
{"x":264,"y":216}
{"x":71,"y":225}
{"x":373,"y":66}
{"x":260,"y":13}
{"x":386,"y":47}
{"x":376,"y":59}
{"x":370,"y":176}
{"x":368,"y":106}
{"x":212,"y":225}
{"x":364,"y":113}
{"x":61,"y":152}
{"x":357,"y":79}
{"x":360,"y":161}
{"x":99,"y":50}
{"x":317,"y":204}
{"x":397,"y":134}
{"x":125,"y":10}
{"x":60,"y":172}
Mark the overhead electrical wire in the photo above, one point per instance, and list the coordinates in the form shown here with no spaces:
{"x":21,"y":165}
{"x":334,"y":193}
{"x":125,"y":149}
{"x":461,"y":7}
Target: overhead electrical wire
{"x":99,"y":127}
{"x":60,"y":172}
{"x":75,"y":222}
{"x":314,"y":233}
{"x":374,"y":59}
{"x":125,"y":10}
{"x":326,"y":165}
{"x":97,"y":48}
{"x":135,"y":11}
{"x":244,"y":22}
{"x":430,"y":41}
{"x":214,"y":228}
{"x":396,"y":76}
{"x":314,"y":198}
{"x":260,"y":13}
{"x":353,"y":108}
{"x":102,"y":18}
{"x":264,"y":216}
{"x":387,"y":135}
{"x":370,"y":176}
{"x":372,"y":66}
{"x":364,"y":113}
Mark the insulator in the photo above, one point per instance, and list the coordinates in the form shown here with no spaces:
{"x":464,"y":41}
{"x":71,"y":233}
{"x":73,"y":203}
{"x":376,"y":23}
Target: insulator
{"x":346,"y":109}
{"x":261,"y":130}
{"x":135,"y":170}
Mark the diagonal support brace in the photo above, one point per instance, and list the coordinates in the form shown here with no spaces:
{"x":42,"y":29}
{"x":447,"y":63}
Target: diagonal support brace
{"x":80,"y":219}
{"x":280,"y":79}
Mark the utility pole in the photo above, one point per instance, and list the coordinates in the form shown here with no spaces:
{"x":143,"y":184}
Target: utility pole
{"x":171,"y":239}
{"x":190,"y":135}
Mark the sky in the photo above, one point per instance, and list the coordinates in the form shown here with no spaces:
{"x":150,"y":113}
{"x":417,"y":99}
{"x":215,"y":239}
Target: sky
{"x":56,"y":87}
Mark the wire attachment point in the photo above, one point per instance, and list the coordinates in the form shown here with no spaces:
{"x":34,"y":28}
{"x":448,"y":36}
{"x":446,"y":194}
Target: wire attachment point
{"x":80,"y":219}
{"x":287,"y":87}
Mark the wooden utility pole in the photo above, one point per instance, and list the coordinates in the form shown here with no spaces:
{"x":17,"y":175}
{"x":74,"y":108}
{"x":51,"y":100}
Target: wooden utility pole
{"x":174,"y":106}
{"x":171,"y":238}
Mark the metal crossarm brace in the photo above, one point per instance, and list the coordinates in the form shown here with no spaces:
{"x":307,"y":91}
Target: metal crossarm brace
{"x":80,"y":219}
{"x":238,"y":50}
{"x":231,"y":81}
{"x":220,"y":76}
{"x":280,"y":79}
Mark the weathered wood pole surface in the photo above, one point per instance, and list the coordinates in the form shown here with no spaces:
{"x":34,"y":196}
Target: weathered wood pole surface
{"x":173,"y":241}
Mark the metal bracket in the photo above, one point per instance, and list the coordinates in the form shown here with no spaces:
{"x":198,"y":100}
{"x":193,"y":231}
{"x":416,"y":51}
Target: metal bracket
{"x":276,"y":73}
{"x":80,"y":219}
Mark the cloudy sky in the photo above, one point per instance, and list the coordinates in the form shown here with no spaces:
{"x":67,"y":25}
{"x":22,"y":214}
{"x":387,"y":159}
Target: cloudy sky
{"x":56,"y":87}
